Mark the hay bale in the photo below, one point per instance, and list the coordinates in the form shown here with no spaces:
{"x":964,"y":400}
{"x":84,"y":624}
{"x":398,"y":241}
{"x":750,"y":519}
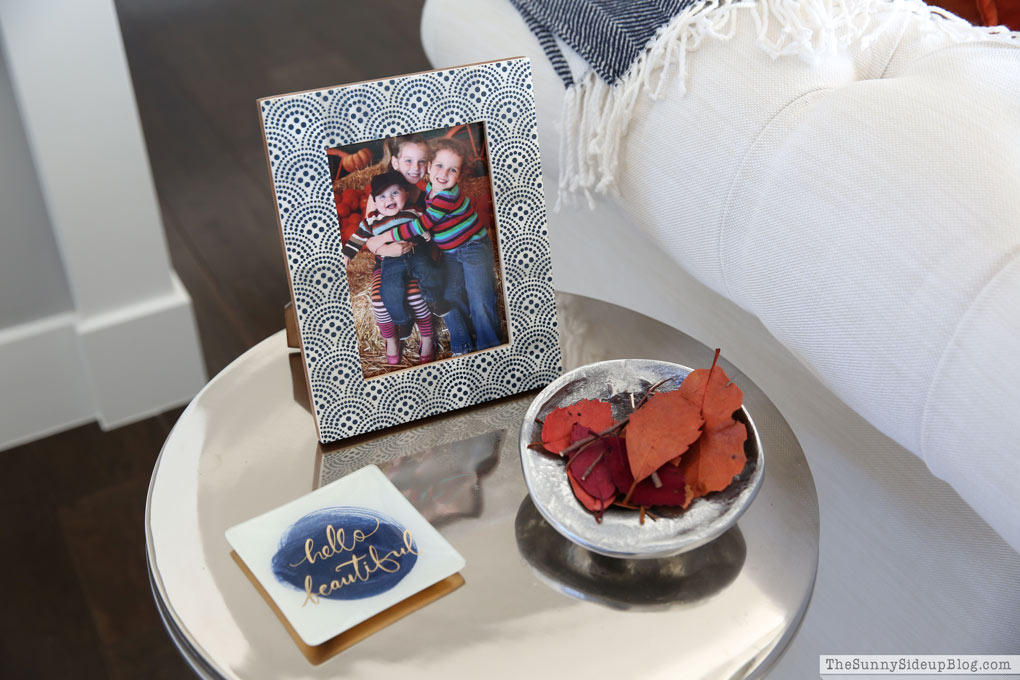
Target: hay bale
{"x":359,"y":179}
{"x":371,"y":345}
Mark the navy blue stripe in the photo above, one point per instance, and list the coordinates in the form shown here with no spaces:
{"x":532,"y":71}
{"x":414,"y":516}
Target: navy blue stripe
{"x":548,"y":42}
{"x":608,"y":34}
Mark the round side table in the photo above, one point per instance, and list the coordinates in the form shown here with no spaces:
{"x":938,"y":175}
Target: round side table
{"x":534,"y":604}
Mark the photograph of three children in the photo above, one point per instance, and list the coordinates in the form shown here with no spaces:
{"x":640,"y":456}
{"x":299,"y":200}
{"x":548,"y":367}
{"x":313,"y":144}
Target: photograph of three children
{"x":420,"y":247}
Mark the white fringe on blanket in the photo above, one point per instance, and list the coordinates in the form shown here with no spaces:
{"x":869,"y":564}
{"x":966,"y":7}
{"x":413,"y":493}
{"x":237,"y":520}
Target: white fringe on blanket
{"x":600,"y":113}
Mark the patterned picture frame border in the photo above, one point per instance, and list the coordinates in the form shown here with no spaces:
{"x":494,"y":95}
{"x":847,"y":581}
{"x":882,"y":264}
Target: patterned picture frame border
{"x":298,"y":128}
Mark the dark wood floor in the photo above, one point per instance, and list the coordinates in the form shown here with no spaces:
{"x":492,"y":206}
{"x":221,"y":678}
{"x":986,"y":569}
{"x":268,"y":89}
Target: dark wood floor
{"x":78,"y":603}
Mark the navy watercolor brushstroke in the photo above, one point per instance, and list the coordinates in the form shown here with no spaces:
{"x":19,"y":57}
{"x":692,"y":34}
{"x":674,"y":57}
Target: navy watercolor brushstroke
{"x":386,"y":535}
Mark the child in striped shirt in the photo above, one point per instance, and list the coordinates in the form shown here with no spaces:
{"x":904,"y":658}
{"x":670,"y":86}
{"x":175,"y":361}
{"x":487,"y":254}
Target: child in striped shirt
{"x":463,"y":241}
{"x":400,"y":275}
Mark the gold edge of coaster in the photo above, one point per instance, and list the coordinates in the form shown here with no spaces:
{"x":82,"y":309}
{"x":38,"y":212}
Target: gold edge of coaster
{"x":318,"y":653}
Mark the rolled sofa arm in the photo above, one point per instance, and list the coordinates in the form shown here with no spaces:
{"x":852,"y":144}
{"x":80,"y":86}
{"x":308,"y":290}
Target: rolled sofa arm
{"x":873,"y":225}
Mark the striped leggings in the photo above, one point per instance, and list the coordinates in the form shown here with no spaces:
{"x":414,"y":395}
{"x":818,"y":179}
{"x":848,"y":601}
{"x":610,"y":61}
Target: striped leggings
{"x":415,"y":300}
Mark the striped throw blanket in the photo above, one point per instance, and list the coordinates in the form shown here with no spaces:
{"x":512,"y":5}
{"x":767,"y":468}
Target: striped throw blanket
{"x":608,"y":34}
{"x":609,"y":52}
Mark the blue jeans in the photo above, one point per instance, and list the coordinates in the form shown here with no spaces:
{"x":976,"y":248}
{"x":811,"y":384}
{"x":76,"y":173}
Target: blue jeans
{"x":393,"y":290}
{"x":470,"y":277}
{"x":393,"y":286}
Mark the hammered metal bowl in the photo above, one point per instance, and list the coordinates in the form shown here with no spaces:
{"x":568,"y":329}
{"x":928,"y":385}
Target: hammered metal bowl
{"x":620,"y":534}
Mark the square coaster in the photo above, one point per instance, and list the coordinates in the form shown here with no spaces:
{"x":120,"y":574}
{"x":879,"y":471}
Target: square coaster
{"x":344,"y":554}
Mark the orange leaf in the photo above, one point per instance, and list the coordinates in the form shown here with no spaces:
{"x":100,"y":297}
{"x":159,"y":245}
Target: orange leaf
{"x":718,"y":455}
{"x":591,"y":413}
{"x":715,"y":459}
{"x":659,"y":431}
{"x":713,"y":393}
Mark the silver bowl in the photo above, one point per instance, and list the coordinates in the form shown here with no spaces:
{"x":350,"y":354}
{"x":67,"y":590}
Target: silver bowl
{"x":620,"y":534}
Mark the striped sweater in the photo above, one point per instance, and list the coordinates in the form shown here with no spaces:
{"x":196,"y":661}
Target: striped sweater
{"x":450,"y":218}
{"x":375,"y":227}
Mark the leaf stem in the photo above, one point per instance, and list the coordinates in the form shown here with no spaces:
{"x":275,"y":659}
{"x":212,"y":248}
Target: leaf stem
{"x":708,"y":381}
{"x":581,"y":443}
{"x":592,"y":466}
{"x":628,"y":506}
{"x":650,"y":390}
{"x":626,"y":499}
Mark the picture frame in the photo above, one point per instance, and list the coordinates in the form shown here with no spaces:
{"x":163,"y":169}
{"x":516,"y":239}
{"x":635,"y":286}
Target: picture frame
{"x":314,"y":142}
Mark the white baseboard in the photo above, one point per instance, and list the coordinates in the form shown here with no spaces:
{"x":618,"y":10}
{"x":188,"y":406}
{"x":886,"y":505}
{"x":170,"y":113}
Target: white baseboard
{"x":116,"y":368}
{"x":44,"y":389}
{"x":142,"y":359}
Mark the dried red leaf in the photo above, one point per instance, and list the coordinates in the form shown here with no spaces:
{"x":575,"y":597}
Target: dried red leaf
{"x":619,"y":467}
{"x":579,"y":432}
{"x":672,"y":492}
{"x":659,"y":431}
{"x":593,"y":504}
{"x":591,"y":413}
{"x":590,"y":470}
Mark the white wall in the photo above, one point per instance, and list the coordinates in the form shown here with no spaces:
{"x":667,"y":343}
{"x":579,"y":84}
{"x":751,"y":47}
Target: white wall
{"x":94,"y":323}
{"x":32,"y":277}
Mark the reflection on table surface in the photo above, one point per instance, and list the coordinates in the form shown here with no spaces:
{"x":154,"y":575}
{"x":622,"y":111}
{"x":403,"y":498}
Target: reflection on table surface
{"x":627,"y":584}
{"x":444,"y":482}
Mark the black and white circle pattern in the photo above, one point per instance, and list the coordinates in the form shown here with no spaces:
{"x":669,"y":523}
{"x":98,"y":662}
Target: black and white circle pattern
{"x":299,"y":128}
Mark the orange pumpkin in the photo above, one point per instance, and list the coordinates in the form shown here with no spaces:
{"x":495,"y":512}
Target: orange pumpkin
{"x":347,"y":228}
{"x":365,"y":158}
{"x":351,"y":198}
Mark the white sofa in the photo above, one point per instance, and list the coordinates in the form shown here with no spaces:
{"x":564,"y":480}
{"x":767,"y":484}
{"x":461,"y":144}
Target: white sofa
{"x":847,"y":228}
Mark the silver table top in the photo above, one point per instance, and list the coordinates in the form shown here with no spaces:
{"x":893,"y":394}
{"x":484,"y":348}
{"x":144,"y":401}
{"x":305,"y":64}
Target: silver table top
{"x":534,"y":605}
